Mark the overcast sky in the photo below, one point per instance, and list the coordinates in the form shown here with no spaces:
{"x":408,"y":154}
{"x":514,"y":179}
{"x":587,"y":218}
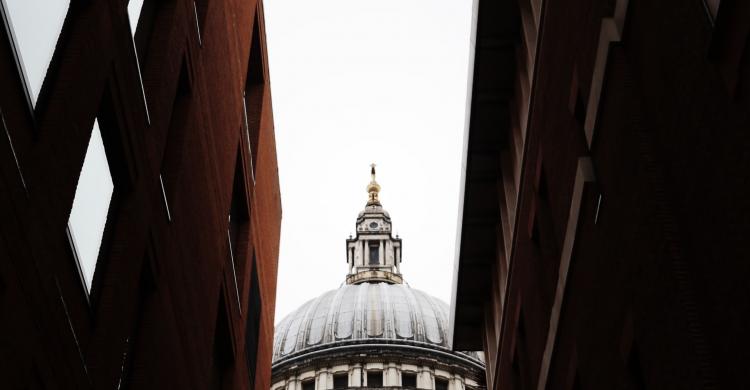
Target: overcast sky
{"x":355,"y":82}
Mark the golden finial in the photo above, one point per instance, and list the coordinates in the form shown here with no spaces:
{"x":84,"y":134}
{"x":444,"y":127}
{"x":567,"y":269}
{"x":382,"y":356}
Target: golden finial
{"x":373,"y":188}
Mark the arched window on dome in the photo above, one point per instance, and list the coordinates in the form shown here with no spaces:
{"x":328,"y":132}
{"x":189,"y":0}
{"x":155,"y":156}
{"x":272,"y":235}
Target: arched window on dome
{"x":374,"y":252}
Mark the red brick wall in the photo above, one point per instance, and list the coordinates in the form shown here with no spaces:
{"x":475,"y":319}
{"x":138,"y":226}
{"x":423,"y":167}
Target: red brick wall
{"x":154,"y":306}
{"x":654,"y":294}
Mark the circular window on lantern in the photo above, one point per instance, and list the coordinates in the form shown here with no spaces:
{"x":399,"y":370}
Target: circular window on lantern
{"x":373,"y":225}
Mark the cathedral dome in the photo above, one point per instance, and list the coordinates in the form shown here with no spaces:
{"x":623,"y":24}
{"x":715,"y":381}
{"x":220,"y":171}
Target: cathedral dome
{"x":362,"y":314}
{"x":374,"y":331}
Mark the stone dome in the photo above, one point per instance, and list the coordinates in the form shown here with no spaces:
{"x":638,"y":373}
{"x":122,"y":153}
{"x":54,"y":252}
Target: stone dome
{"x":362,"y":314}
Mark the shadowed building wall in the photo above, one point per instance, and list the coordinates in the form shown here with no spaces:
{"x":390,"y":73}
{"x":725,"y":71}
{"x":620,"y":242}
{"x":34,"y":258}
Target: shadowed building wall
{"x":602,"y":241}
{"x":180,"y":289}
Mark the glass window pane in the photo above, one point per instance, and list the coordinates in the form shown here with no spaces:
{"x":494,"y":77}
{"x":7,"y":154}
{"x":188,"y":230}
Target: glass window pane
{"x":36,"y":26}
{"x":88,"y":216}
{"x":134,"y":13}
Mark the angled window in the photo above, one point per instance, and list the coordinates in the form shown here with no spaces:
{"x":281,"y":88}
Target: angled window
{"x":134,"y":14}
{"x":713,"y":8}
{"x":88,"y":217}
{"x":135,"y":9}
{"x":176,"y":135}
{"x":103,"y":181}
{"x":238,"y":233}
{"x":222,"y":357}
{"x":252,"y":327}
{"x":34,"y":37}
{"x":253,"y":94}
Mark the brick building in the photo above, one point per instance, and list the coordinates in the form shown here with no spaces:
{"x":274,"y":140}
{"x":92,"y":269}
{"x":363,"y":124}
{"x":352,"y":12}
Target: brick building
{"x":139,"y":196}
{"x":605,"y":208}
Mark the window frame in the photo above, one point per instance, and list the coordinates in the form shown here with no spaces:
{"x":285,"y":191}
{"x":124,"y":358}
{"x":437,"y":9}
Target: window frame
{"x":32,"y":103}
{"x":253,"y":322}
{"x":117,"y":152}
{"x":239,"y":239}
{"x":253,"y":94}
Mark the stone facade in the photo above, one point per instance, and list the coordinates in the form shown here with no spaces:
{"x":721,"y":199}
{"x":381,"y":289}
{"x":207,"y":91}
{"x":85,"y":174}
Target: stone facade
{"x":374,"y":331}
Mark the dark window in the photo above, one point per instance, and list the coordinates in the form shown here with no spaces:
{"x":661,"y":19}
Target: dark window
{"x":174,"y":144}
{"x":238,"y":232}
{"x":515,"y":379}
{"x":579,"y":111}
{"x":374,"y":253}
{"x":713,"y":8}
{"x":340,"y":381}
{"x":441,"y":384}
{"x":535,"y":232}
{"x":374,"y":379}
{"x":576,"y":382}
{"x":308,"y":385}
{"x":409,"y":380}
{"x":143,"y":29}
{"x":222,"y":353}
{"x":253,"y":324}
{"x":254,"y":90}
{"x":635,"y":379}
{"x":519,"y":358}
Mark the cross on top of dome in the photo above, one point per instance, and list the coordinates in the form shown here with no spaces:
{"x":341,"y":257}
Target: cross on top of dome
{"x":373,"y":188}
{"x":373,"y":255}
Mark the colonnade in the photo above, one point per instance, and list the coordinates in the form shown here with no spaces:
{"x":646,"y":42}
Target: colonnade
{"x":357,"y":374}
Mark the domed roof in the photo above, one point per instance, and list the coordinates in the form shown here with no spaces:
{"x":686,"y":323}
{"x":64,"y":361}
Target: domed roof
{"x":374,"y":209}
{"x":367,"y":313}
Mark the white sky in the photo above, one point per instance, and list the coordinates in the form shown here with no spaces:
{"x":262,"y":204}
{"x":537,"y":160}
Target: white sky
{"x":36,"y":26}
{"x":355,"y":82}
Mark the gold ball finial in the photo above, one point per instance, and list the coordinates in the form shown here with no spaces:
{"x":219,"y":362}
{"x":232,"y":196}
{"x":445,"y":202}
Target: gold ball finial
{"x":373,"y":188}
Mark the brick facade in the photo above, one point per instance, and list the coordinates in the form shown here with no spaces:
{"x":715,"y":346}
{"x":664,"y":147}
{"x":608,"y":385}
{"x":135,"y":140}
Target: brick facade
{"x":164,"y":309}
{"x":605,"y":197}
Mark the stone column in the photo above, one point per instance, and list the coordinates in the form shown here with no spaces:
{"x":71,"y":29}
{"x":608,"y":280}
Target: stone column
{"x":321,"y":379}
{"x":424,"y":378}
{"x":456,"y":383}
{"x":366,"y":251}
{"x":294,"y":383}
{"x":392,"y":378}
{"x":381,"y":253}
{"x":355,"y":375}
{"x":389,"y":258}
